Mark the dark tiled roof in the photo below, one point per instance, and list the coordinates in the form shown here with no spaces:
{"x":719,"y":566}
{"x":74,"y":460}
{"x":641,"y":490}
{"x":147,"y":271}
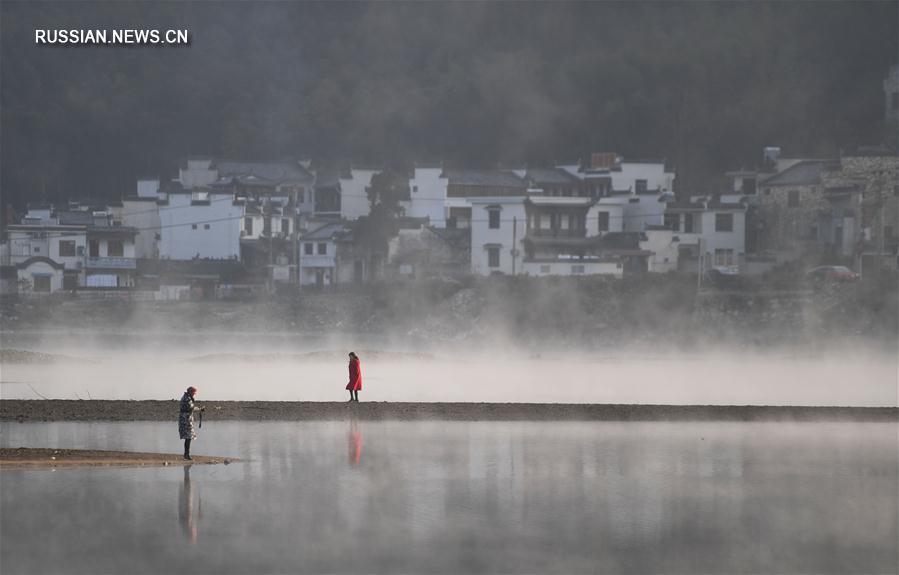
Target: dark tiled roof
{"x":496,"y":178}
{"x":550,"y":176}
{"x":329,"y":177}
{"x":223,"y":269}
{"x":805,"y":173}
{"x":684,"y":206}
{"x":325,"y":232}
{"x":622,"y":240}
{"x":41,"y":259}
{"x":113,"y":230}
{"x":273,"y":172}
{"x":77,"y":218}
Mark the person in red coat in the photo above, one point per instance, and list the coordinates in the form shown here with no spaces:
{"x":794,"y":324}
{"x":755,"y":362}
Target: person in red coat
{"x":355,"y":383}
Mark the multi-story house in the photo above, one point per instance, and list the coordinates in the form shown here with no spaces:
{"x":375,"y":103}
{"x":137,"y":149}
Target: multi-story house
{"x":861,"y":219}
{"x":318,"y":254}
{"x":465,"y":185}
{"x":498,"y":228}
{"x":60,"y":250}
{"x":428,"y":195}
{"x":713,"y":227}
{"x":557,"y":241}
{"x":199,"y":223}
{"x":637,"y":185}
{"x":354,"y":185}
{"x":141,"y":212}
{"x":789,"y":203}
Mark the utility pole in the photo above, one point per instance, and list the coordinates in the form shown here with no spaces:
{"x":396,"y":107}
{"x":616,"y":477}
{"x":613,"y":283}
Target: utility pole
{"x":514,"y":242}
{"x":700,"y":260}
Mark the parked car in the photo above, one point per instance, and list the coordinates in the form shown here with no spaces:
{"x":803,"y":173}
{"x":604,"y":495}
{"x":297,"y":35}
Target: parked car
{"x":831,"y":274}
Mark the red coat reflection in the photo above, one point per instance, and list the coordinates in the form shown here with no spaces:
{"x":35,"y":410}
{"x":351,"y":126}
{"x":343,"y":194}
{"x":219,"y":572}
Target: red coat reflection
{"x":354,"y":442}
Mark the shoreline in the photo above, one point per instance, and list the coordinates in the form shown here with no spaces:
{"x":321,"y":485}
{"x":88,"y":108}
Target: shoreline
{"x":37,"y":410}
{"x":29,"y":457}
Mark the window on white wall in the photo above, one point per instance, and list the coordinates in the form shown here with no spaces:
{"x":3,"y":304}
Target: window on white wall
{"x":724,"y":257}
{"x":67,"y":248}
{"x":724,"y":222}
{"x":322,"y":249}
{"x":307,"y":249}
{"x":603,"y":219}
{"x":494,"y":218}
{"x":688,"y":223}
{"x":493,"y":257}
{"x":115,"y":248}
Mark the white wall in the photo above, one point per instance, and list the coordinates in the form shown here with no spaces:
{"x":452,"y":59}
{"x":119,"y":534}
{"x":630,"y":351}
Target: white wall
{"x":714,"y":240}
{"x":309,"y":264}
{"x":574,"y":267}
{"x":615,"y":208}
{"x":22,"y":246}
{"x":127,"y":247}
{"x":143,"y":215}
{"x":197,"y":174}
{"x":41,"y":268}
{"x":427,"y":192}
{"x":664,"y":248}
{"x":354,"y":201}
{"x":259,"y":225}
{"x":654,"y":174}
{"x":179,"y":241}
{"x":642,"y":211}
{"x":148,"y":188}
{"x":71,"y":262}
{"x":482,"y":235}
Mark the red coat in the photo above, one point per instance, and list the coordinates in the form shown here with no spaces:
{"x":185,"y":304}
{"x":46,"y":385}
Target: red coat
{"x":355,"y":383}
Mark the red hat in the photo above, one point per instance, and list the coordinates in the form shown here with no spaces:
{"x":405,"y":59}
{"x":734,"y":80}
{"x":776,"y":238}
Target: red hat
{"x":192,"y":390}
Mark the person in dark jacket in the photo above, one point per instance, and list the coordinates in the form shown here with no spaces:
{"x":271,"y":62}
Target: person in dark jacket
{"x":186,"y":419}
{"x":355,"y":383}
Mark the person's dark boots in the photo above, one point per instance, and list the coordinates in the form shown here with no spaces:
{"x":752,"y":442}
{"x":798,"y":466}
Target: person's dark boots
{"x":187,"y":450}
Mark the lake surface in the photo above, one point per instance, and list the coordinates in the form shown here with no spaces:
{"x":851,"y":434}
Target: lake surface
{"x":449,"y":497}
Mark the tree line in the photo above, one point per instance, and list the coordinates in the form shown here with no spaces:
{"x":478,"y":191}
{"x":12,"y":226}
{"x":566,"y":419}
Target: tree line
{"x":703,"y":85}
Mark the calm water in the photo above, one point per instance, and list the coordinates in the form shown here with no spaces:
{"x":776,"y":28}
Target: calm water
{"x":461,"y":497}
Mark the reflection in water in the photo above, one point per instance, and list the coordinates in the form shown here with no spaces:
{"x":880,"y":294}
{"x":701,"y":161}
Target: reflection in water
{"x":354,"y":440}
{"x":186,"y":508}
{"x":464,"y":497}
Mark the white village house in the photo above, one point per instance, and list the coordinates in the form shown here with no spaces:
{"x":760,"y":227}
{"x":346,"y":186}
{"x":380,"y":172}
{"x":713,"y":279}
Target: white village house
{"x":54,"y":251}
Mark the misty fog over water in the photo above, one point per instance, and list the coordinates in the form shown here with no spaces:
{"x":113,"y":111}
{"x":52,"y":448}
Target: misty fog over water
{"x":738,"y":379}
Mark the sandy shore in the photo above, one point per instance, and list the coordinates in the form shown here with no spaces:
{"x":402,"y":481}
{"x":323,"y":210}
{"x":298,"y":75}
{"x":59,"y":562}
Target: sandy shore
{"x":100,"y":410}
{"x":31,"y":457}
